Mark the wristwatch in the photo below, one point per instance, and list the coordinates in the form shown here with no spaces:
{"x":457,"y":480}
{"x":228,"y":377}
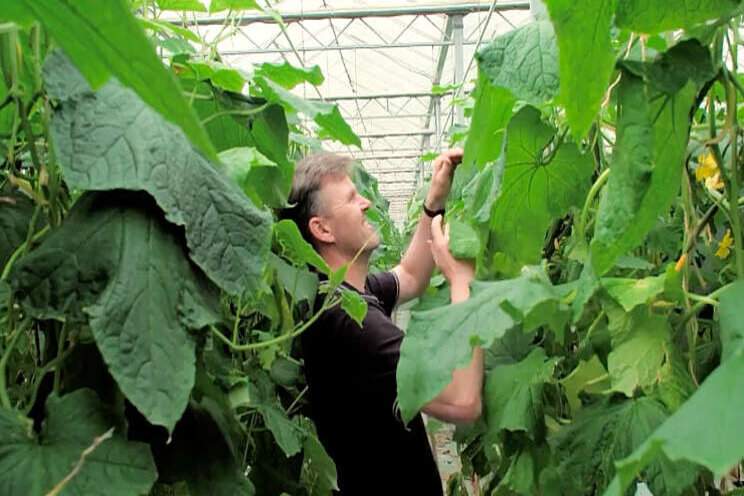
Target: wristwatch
{"x":432,"y":213}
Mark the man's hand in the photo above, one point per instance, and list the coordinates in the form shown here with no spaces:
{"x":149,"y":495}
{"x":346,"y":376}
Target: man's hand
{"x":458,"y":272}
{"x":441,"y":180}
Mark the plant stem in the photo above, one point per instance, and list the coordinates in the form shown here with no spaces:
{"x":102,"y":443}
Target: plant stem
{"x":60,"y":354}
{"x":236,"y":323}
{"x":244,"y":113}
{"x":734,"y":182}
{"x":581,"y":224}
{"x":52,"y":364}
{"x":707,"y":217}
{"x":3,"y":363}
{"x":19,"y":251}
{"x":296,"y":332}
{"x":709,"y":300}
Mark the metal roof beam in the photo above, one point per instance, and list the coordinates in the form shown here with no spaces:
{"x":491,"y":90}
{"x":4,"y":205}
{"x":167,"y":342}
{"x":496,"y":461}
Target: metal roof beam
{"x":383,"y":96}
{"x":325,"y":48}
{"x":457,"y":8}
{"x":405,"y":133}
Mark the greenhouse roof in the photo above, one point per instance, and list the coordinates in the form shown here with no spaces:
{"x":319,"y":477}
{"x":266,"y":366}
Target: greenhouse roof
{"x":393,"y":67}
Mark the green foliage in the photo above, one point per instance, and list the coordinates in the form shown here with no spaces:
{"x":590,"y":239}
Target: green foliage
{"x":630,"y":293}
{"x":325,"y":115}
{"x":110,"y":42}
{"x":656,"y":15}
{"x":589,"y":376}
{"x":542,"y":180}
{"x":389,"y":252}
{"x":464,"y":242}
{"x":263,"y":181}
{"x":524,"y":61}
{"x":140,"y":290}
{"x":80,"y":439}
{"x":650,"y":152}
{"x":514,"y":395}
{"x":640,"y":345}
{"x":354,"y":305}
{"x":118,"y":261}
{"x":16,"y":211}
{"x":586,"y":57}
{"x":445,"y":335}
{"x":606,"y":431}
{"x":128,"y":145}
{"x":289,"y":76}
{"x":295,"y":248}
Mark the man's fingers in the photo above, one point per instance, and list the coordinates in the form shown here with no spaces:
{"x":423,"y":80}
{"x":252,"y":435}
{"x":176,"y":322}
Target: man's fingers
{"x":455,"y":155}
{"x":446,"y":233}
{"x":437,"y":235}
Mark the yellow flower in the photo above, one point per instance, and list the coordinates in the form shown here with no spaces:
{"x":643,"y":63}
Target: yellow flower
{"x":724,"y":247}
{"x":708,"y":171}
{"x":714,"y":182}
{"x":707,"y":168}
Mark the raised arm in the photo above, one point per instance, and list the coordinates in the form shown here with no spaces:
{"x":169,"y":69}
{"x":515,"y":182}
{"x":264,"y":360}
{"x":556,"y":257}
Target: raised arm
{"x":414,"y":270}
{"x":460,"y":401}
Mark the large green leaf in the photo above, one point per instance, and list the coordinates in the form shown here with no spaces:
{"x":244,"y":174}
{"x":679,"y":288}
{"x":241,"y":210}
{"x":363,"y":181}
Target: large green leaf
{"x":710,"y":421}
{"x":300,"y":282}
{"x":486,"y":188}
{"x":464,"y":241}
{"x":654,"y":16}
{"x":116,"y":258}
{"x":265,"y":182}
{"x":534,"y":192}
{"x":110,"y":139}
{"x":105,"y":42}
{"x":524,"y":61}
{"x":290,"y":76}
{"x":188,"y":5}
{"x":354,"y":305}
{"x":295,"y":248}
{"x":688,"y":60}
{"x":326,"y":115}
{"x":647,"y":168}
{"x":586,"y":57}
{"x":33,"y":464}
{"x":589,"y":376}
{"x":491,"y":114}
{"x":633,"y":292}
{"x":220,"y":5}
{"x":234,"y":120}
{"x":731,"y":319}
{"x":261,"y":396}
{"x":513,"y":395}
{"x":318,"y":470}
{"x":604,"y":432}
{"x":439,"y":341}
{"x":16,"y":211}
{"x":219,"y":74}
{"x":640,"y":346}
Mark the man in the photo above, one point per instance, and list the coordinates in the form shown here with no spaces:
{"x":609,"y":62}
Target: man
{"x":350,"y":369}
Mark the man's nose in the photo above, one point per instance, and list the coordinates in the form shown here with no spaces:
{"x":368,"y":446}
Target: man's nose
{"x":365,"y":203}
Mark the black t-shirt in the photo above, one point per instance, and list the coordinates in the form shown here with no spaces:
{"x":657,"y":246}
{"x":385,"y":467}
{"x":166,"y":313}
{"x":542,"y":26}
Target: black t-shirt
{"x":350,"y":372}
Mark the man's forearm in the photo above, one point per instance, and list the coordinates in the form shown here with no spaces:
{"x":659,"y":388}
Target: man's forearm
{"x":461,"y":401}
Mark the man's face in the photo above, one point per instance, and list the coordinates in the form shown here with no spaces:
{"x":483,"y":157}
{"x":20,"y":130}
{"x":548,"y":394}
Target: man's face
{"x":343,"y":210}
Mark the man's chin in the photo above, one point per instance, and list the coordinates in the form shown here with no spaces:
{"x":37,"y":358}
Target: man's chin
{"x":372,"y":243}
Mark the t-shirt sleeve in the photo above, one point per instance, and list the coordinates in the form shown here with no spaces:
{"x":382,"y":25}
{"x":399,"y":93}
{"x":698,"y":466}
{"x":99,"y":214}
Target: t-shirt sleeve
{"x":385,"y":287}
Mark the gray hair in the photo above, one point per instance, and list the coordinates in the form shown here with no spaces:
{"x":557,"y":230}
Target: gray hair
{"x":304,"y":200}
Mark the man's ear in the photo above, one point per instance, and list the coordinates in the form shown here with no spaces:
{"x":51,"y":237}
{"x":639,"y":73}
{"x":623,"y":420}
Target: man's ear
{"x":320,"y":230}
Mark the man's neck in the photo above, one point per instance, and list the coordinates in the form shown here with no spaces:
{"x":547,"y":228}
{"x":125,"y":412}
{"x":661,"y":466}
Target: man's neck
{"x":357,"y":272}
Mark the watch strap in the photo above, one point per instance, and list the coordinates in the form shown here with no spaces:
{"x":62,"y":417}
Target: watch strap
{"x":432,"y":213}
